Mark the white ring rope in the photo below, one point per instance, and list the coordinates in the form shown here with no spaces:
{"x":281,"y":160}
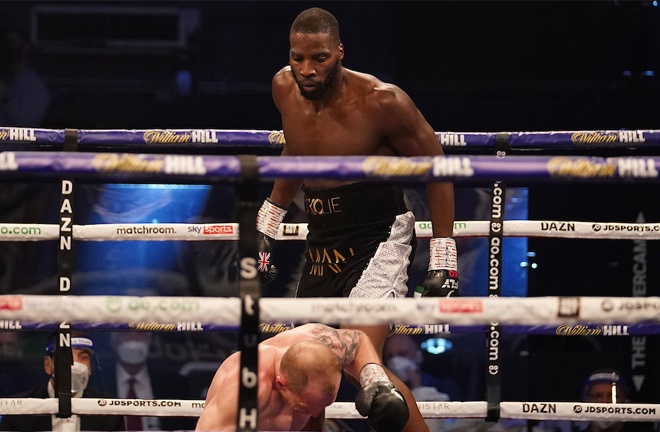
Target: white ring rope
{"x":226,"y":311}
{"x":298,"y":231}
{"x":346,"y":410}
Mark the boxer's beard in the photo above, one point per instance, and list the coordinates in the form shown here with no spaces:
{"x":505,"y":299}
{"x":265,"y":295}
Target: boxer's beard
{"x":321,"y":91}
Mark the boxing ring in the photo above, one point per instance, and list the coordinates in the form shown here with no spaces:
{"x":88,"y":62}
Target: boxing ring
{"x":67,"y":158}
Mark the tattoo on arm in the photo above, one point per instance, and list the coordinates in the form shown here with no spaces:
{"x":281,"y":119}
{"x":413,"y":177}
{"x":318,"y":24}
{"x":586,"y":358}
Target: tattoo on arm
{"x":344,"y":343}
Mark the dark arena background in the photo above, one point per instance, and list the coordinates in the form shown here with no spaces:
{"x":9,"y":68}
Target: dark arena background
{"x":469,"y":66}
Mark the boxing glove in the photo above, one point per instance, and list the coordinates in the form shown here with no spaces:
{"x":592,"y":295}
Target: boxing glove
{"x":384,"y":405}
{"x":269,"y":218}
{"x":442,"y":277}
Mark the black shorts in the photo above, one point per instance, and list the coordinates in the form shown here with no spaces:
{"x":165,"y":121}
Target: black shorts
{"x":361,"y":241}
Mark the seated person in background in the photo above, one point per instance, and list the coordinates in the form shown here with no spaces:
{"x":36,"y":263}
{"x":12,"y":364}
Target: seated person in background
{"x":403,"y":356}
{"x":17,"y":371}
{"x":602,"y":386}
{"x":135,"y":378}
{"x":83,"y":350}
{"x":299,"y":375}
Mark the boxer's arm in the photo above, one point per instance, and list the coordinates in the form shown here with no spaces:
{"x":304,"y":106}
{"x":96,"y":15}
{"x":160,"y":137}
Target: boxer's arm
{"x":353,"y":348}
{"x":378,"y":398}
{"x":221,"y":405}
{"x":269,"y":218}
{"x":285,"y":190}
{"x":410,"y":135}
{"x":440,"y":197}
{"x":217,"y":416}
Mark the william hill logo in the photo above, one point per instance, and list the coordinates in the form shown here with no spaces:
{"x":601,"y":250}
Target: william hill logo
{"x":601,"y":137}
{"x":594,"y":137}
{"x":567,"y":167}
{"x":276,"y":137}
{"x":585,"y":330}
{"x":170,"y":164}
{"x":381,"y":165}
{"x":165,"y":136}
{"x":126,"y":163}
{"x":155,"y":136}
{"x":269,"y":327}
{"x":17,"y":134}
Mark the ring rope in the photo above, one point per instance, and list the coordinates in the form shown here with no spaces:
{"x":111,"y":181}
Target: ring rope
{"x":201,"y":137}
{"x":422,"y":311}
{"x":157,"y":167}
{"x":298,"y":231}
{"x":346,"y":410}
{"x":273,"y":327}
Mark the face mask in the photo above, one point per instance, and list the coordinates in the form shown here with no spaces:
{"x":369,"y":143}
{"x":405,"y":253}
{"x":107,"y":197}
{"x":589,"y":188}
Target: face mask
{"x":133,"y":352}
{"x":605,"y":424}
{"x":402,"y":367}
{"x":79,"y":376}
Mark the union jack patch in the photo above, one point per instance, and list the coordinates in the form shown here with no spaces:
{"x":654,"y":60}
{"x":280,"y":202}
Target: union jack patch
{"x":264,"y":261}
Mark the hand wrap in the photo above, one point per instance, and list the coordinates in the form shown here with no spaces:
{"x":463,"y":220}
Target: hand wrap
{"x":269,"y":218}
{"x":442,"y":277}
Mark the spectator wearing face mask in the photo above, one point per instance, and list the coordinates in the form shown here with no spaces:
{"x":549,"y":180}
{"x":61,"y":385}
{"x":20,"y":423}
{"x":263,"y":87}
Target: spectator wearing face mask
{"x":403,"y":356}
{"x":82,"y":348}
{"x":137,"y":378}
{"x":601,"y":386}
{"x":606,"y":386}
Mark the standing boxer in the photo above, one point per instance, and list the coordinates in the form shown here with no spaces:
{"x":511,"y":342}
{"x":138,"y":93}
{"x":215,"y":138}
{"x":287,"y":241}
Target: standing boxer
{"x":361,"y":235}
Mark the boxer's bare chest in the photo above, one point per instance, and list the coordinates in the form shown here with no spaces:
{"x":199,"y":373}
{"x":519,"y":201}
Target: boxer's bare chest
{"x":349,"y":130}
{"x":335,"y":131}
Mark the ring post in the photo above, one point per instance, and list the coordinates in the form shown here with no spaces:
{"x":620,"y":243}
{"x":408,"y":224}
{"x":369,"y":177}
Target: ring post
{"x":495,"y":236}
{"x":63,"y":356}
{"x":250,"y":292}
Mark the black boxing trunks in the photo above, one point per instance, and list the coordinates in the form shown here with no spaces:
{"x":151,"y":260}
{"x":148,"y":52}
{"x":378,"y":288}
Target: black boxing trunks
{"x":360,"y":242}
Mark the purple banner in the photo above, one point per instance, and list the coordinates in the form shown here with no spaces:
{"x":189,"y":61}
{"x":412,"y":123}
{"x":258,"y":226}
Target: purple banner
{"x":178,"y":167}
{"x":205,"y":137}
{"x":466,"y":139}
{"x":181,"y":137}
{"x":49,"y":136}
{"x":119,"y":164}
{"x":595,"y":329}
{"x":602,"y":138}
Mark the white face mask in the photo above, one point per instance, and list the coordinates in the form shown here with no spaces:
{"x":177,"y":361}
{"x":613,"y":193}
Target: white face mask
{"x":402,"y":367}
{"x":133,"y":352}
{"x":79,"y":376}
{"x":605,"y":424}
